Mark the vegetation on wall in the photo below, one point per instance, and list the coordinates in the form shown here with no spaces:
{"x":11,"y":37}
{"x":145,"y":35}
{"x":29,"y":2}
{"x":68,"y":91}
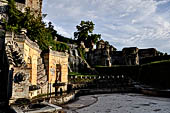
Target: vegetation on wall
{"x":65,"y":39}
{"x":155,"y":58}
{"x":37,"y":30}
{"x":81,"y":52}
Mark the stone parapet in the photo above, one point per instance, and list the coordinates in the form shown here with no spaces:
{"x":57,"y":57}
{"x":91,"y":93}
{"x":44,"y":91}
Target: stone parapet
{"x":57,"y":53}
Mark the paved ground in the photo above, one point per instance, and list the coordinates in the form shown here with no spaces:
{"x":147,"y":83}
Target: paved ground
{"x":119,"y":103}
{"x":81,"y":102}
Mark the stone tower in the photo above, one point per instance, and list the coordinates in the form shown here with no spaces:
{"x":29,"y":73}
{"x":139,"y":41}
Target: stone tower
{"x":34,"y":5}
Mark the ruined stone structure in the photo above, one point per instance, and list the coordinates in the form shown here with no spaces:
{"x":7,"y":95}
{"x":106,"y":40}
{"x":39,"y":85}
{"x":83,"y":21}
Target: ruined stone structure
{"x":100,"y":55}
{"x":150,"y":52}
{"x":74,"y":60}
{"x":76,"y":63}
{"x":106,"y":55}
{"x":131,"y":56}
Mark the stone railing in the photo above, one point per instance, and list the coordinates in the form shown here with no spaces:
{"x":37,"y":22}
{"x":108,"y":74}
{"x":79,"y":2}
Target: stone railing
{"x":22,"y":38}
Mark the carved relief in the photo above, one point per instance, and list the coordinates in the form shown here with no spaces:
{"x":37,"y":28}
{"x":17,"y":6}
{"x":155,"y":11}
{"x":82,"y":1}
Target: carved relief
{"x":14,"y":54}
{"x":19,"y":77}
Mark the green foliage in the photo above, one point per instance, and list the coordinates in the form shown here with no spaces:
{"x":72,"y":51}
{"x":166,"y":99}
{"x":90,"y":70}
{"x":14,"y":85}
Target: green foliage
{"x":14,"y":17}
{"x":64,"y":39}
{"x":157,"y":62}
{"x":73,"y":73}
{"x":81,"y":52}
{"x":84,"y":34}
{"x":160,"y":53}
{"x":61,"y":46}
{"x":36,"y":29}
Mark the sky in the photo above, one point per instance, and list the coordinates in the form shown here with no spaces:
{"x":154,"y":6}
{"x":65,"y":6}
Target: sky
{"x":124,"y":23}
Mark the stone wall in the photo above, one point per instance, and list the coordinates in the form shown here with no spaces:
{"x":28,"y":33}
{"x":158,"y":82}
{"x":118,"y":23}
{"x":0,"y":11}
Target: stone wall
{"x":131,"y":56}
{"x":34,"y":5}
{"x":106,"y":55}
{"x":24,"y":54}
{"x":100,"y":55}
{"x":150,"y":52}
{"x":56,"y":64}
{"x":20,"y":86}
{"x":3,"y":10}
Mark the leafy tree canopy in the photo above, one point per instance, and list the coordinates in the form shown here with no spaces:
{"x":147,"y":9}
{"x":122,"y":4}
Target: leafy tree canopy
{"x":85,"y":34}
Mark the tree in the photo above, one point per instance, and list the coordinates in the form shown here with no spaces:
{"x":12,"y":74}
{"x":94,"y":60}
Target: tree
{"x":52,"y":30}
{"x":85,"y":34}
{"x":36,"y":28}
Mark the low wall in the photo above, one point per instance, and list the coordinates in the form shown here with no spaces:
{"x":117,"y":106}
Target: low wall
{"x":64,"y":99}
{"x":131,"y":71}
{"x":155,"y":74}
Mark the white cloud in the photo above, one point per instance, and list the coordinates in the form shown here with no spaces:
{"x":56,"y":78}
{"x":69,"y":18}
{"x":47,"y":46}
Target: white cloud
{"x":60,"y":30}
{"x":143,"y":23}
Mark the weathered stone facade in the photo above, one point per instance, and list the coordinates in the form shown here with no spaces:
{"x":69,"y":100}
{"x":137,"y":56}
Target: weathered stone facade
{"x":23,"y":54}
{"x":150,"y":52}
{"x":34,"y":5}
{"x":100,"y":55}
{"x":106,"y":55}
{"x":131,"y":56}
{"x":76,"y":62}
{"x":3,"y":11}
{"x":33,"y":73}
{"x":20,"y":86}
{"x":56,"y":64}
